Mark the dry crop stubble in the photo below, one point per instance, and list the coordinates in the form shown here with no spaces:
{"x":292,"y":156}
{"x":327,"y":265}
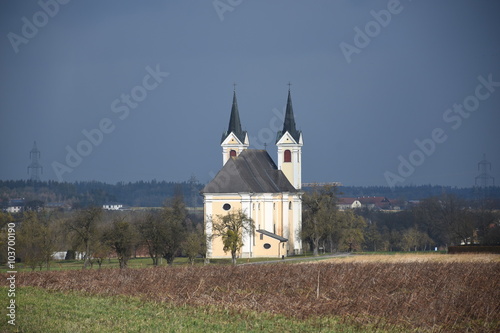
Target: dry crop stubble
{"x":417,"y":257}
{"x":447,"y":296}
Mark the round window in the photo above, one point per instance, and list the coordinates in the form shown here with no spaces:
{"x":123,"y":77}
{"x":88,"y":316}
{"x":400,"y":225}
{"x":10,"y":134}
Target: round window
{"x":267,"y":246}
{"x":226,"y":206}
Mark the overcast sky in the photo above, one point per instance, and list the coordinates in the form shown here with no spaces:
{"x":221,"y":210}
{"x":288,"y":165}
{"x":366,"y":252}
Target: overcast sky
{"x":151,"y":83}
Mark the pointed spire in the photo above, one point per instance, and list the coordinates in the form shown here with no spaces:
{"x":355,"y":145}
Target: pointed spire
{"x":234,"y":122}
{"x":289,"y":123}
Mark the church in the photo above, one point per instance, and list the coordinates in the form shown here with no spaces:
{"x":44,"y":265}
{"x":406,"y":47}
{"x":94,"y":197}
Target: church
{"x":251,"y":182}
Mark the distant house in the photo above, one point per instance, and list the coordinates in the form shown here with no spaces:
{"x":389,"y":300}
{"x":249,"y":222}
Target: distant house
{"x":59,"y":255}
{"x":348,"y":203}
{"x":375,"y":203}
{"x":365,"y":202}
{"x":398,"y":204}
{"x":114,"y":206}
{"x":15,"y":206}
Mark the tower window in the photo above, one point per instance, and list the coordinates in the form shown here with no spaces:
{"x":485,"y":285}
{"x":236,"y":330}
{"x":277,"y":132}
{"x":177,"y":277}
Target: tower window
{"x":290,"y":205}
{"x":288,"y":156}
{"x":232,"y":153}
{"x":226,"y":206}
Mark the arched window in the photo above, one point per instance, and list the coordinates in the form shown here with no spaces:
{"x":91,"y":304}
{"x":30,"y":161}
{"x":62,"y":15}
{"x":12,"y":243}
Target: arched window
{"x":290,"y":205}
{"x":232,"y":153}
{"x":288,"y":156}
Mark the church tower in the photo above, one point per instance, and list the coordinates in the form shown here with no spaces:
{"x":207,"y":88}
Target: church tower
{"x":289,"y":143}
{"x":234,"y":140}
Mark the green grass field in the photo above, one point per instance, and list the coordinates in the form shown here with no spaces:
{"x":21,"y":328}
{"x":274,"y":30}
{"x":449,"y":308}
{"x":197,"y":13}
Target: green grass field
{"x":47,"y":311}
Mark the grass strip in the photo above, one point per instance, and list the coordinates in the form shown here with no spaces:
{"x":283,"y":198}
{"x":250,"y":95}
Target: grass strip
{"x":40,"y":310}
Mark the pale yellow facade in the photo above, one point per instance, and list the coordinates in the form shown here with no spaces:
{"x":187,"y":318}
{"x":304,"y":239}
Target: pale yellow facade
{"x":277,"y":213}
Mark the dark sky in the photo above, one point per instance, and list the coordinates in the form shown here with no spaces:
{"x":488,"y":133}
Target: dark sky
{"x":365,"y":87}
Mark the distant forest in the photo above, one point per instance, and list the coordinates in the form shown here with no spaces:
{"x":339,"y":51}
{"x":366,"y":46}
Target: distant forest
{"x":83,"y":194}
{"x":155,"y":193}
{"x":419,"y":192}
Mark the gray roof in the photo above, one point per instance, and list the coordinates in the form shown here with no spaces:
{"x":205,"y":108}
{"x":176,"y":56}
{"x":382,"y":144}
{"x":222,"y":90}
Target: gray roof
{"x":270,"y":234}
{"x":252,"y":171}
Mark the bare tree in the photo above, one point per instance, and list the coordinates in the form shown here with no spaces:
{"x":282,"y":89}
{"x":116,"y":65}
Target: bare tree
{"x":174,"y":219}
{"x":195,"y":243}
{"x":319,"y":215}
{"x":151,"y":230}
{"x":448,"y":219}
{"x":164,"y":232}
{"x":30,"y":239}
{"x":85,"y":227}
{"x":37,"y":238}
{"x":119,"y":236}
{"x":350,"y":229}
{"x":230,"y":228}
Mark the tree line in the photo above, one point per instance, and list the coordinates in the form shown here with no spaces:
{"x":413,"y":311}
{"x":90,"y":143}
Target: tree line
{"x":153,"y":193}
{"x":435,"y":222}
{"x":170,"y":232}
{"x":97,"y":234}
{"x":93,"y":193}
{"x":419,"y":192}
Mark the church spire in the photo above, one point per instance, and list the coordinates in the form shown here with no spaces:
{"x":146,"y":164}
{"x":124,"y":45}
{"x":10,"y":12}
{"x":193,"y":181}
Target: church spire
{"x":234,"y":140}
{"x":289,"y":123}
{"x":289,"y":143}
{"x":234,"y":122}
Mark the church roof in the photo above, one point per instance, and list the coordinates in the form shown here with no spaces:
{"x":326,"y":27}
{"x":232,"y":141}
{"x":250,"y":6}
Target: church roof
{"x":234,"y":123}
{"x":289,"y":123}
{"x":252,"y":171}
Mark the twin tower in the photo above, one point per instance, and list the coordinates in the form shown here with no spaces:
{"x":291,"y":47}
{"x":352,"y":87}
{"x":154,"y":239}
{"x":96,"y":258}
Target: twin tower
{"x":289,"y":142}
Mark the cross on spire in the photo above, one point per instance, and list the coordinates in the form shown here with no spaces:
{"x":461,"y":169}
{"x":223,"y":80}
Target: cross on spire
{"x":234,"y":86}
{"x":289,"y":84}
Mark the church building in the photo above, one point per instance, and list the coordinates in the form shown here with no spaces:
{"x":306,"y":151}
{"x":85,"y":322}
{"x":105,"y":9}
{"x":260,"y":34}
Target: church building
{"x":251,"y":182}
